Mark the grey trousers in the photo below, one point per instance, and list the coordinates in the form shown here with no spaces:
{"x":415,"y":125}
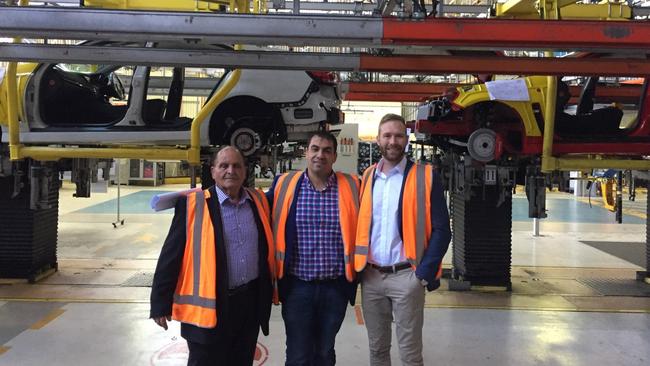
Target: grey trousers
{"x":387,"y":297}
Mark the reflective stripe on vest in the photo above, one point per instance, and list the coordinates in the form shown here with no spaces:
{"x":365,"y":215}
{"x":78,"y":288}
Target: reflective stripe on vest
{"x":348,"y":188}
{"x":416,"y":212}
{"x":363,"y":227}
{"x":282,"y":198}
{"x":195,"y":297}
{"x":348,"y":202}
{"x":416,"y":215}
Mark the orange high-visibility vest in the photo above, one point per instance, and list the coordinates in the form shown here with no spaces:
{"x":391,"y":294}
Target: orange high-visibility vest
{"x":195,"y":297}
{"x":416,"y":215}
{"x":348,"y":194}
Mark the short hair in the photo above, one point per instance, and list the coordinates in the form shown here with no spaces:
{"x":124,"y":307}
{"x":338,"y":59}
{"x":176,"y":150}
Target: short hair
{"x":325,"y":135}
{"x":215,"y":154}
{"x":391,"y":117}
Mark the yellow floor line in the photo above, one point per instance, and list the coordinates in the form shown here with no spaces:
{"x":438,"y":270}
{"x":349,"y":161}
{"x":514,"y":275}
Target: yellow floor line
{"x":626,"y":211}
{"x":47,"y":318}
{"x":74,"y":300}
{"x":180,"y":180}
{"x":4,"y":349}
{"x":566,"y":310}
{"x":358,"y":314}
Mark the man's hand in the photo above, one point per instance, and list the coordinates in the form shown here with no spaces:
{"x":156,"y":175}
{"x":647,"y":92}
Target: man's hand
{"x":162,"y":321}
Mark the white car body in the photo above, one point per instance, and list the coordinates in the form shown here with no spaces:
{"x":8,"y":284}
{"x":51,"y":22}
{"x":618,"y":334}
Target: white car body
{"x":303,"y":102}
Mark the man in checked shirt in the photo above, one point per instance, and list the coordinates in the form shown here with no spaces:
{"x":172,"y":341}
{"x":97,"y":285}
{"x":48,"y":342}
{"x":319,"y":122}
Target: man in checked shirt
{"x":314,"y":216}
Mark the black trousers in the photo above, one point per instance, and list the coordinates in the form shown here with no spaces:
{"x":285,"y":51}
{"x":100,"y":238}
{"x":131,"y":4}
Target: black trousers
{"x":240,"y":339}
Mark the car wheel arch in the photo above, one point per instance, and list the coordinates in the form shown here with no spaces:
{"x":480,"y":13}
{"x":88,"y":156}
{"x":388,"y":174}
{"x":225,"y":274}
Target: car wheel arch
{"x":509,"y":121}
{"x":243,"y":109}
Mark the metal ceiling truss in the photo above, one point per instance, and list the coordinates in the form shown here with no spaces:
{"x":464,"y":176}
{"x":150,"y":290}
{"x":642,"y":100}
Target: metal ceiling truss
{"x":345,"y":31}
{"x":345,"y":7}
{"x":305,"y":7}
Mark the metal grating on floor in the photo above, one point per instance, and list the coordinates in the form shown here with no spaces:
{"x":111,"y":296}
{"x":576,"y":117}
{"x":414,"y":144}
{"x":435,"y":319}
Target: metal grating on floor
{"x":617,"y":287}
{"x":140,"y":279}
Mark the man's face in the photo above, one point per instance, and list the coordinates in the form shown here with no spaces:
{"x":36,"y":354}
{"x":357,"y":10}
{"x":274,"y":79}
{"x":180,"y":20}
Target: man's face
{"x":228,"y":170}
{"x":320,"y":155}
{"x":392,"y":141}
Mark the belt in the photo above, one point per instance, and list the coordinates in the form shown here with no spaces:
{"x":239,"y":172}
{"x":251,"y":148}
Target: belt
{"x":325,"y":280}
{"x":242,"y":288}
{"x":316,"y":280}
{"x":391,"y":269}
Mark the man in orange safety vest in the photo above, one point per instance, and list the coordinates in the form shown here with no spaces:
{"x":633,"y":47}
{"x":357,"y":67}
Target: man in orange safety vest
{"x":216,"y":270}
{"x":402,"y":234}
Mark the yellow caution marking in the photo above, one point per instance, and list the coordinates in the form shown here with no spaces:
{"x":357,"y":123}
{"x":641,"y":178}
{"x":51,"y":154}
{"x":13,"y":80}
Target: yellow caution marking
{"x":626,"y":210}
{"x":535,"y":308}
{"x":75,"y":300}
{"x":358,"y":314}
{"x":3,"y":349}
{"x":179,"y":180}
{"x":146,"y":238}
{"x":47,"y":318}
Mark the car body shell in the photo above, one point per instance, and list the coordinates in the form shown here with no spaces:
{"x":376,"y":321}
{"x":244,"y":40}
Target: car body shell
{"x":519,"y":124}
{"x":280,"y":91}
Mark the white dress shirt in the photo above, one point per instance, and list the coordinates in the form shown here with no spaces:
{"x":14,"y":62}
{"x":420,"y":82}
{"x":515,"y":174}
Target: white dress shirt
{"x":386,"y":246}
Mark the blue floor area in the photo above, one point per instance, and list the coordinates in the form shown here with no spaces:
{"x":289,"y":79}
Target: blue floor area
{"x":558,"y":210}
{"x":570,"y":210}
{"x":134,"y":203}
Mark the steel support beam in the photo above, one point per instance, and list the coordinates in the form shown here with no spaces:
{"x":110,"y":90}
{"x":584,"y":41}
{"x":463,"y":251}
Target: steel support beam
{"x":397,"y":92}
{"x":415,"y":92}
{"x":393,"y":92}
{"x":384,"y":97}
{"x":405,"y":88}
{"x":325,"y":6}
{"x":188,"y":58}
{"x":607,"y":94}
{"x":115,"y":25}
{"x":512,"y":34}
{"x":407,"y":64}
{"x":299,"y":30}
{"x":505,"y":65}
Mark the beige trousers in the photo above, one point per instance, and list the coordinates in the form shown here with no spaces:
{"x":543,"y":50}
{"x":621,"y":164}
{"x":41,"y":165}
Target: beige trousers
{"x":387,"y":297}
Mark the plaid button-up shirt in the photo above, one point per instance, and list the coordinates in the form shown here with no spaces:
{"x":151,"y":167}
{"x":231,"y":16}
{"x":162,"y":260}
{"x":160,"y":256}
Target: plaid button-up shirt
{"x":318,"y":255}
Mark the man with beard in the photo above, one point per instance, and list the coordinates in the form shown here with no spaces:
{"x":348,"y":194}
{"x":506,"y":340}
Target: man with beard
{"x":401,"y":240}
{"x":314,"y":216}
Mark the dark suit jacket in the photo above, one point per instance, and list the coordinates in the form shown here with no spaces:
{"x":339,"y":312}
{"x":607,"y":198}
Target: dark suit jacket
{"x":440,"y":231}
{"x":291,"y":233}
{"x":169,"y":265}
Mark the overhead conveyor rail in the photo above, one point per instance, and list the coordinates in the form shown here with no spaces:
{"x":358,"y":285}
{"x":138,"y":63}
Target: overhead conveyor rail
{"x":432,"y":64}
{"x":328,"y":61}
{"x":415,"y":92}
{"x":300,"y":30}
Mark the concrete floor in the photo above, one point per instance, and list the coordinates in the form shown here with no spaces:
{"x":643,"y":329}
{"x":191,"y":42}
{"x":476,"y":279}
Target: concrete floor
{"x":94,"y":310}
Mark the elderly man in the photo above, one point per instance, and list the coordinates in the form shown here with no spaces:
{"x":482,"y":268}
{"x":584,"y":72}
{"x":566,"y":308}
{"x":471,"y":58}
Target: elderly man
{"x":214,"y":274}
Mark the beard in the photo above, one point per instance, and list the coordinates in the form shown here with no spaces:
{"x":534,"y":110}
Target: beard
{"x":393,"y":153}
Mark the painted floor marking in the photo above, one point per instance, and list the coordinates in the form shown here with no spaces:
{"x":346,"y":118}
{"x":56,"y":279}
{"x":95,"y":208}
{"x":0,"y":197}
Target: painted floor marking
{"x":47,"y":319}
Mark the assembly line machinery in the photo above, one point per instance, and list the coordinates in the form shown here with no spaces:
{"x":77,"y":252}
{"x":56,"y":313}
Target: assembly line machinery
{"x":400,"y":37}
